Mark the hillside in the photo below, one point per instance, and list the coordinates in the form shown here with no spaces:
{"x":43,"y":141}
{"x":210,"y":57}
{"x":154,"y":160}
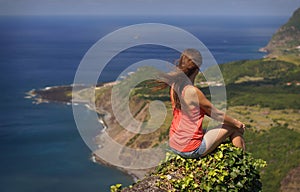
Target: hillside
{"x":254,"y":82}
{"x":265,"y":95}
{"x":286,"y":40}
{"x":262,"y":93}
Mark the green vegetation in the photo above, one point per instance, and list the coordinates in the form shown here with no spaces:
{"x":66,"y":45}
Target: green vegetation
{"x":270,"y":71}
{"x":270,"y":97}
{"x":263,"y":93}
{"x":280,"y":147}
{"x":226,"y":169}
{"x":286,"y":40}
{"x":294,"y":21}
{"x":293,"y":58}
{"x":263,"y":119}
{"x":254,"y":82}
{"x":248,"y":83}
{"x":260,"y":86}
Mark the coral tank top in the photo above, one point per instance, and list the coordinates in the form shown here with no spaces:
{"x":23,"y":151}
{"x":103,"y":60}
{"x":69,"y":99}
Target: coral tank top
{"x":186,"y":132}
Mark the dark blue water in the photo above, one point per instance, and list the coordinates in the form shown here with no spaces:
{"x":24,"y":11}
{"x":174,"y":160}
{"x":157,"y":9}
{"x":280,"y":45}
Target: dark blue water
{"x":41,"y":149}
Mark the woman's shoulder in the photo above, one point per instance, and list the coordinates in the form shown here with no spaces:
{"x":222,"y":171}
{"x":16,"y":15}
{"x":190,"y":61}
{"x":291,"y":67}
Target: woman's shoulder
{"x":190,"y":91}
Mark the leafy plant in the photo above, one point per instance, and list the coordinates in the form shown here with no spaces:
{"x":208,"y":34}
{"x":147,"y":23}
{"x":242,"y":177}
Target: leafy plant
{"x":116,"y":187}
{"x":227,"y":169}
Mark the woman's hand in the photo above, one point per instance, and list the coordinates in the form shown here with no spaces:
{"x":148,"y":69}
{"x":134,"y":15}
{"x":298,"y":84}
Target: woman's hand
{"x":240,"y":125}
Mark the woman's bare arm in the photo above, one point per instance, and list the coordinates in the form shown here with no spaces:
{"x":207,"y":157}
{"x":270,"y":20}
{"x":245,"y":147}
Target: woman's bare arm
{"x":196,"y":96}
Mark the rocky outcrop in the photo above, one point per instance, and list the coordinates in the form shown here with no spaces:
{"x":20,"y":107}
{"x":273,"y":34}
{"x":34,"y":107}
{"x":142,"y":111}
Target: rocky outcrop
{"x":286,"y":40}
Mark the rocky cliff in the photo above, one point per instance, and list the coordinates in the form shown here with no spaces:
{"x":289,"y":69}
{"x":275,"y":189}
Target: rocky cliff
{"x":286,"y":40}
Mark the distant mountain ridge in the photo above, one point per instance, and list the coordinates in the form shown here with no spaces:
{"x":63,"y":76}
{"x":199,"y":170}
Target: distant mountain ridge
{"x":286,"y":40}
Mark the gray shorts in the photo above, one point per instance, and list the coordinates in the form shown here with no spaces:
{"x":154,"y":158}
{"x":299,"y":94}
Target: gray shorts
{"x":193,"y":154}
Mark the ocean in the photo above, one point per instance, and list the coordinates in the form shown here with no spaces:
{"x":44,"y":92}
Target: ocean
{"x":41,"y":149}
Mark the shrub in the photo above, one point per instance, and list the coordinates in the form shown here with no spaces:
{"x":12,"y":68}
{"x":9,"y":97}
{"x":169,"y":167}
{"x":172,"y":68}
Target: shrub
{"x":226,"y":169}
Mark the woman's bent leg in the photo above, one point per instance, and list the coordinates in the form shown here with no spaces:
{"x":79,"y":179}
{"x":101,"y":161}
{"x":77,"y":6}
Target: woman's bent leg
{"x":237,"y":140}
{"x":216,"y":136}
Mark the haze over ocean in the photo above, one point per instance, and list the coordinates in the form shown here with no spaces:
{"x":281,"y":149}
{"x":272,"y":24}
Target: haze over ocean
{"x":41,"y":149}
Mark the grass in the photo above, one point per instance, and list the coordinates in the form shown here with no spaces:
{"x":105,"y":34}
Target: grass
{"x":260,"y":118}
{"x":280,"y":147}
{"x":290,"y":58}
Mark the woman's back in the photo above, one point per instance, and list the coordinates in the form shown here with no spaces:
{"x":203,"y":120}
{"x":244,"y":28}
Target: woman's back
{"x":186,"y":129}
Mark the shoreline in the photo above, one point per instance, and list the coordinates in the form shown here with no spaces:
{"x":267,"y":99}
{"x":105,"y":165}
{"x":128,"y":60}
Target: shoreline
{"x":136,"y":174}
{"x":38,"y":97}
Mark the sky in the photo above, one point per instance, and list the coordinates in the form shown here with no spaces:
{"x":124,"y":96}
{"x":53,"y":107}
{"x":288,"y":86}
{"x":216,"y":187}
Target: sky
{"x":148,"y":7}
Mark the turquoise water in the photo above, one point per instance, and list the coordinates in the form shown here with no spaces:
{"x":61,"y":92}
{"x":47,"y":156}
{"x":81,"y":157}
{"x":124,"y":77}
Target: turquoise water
{"x":41,"y":149}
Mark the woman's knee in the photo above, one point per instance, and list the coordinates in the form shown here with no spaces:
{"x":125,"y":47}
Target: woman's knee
{"x":233,"y":130}
{"x":236,"y":134}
